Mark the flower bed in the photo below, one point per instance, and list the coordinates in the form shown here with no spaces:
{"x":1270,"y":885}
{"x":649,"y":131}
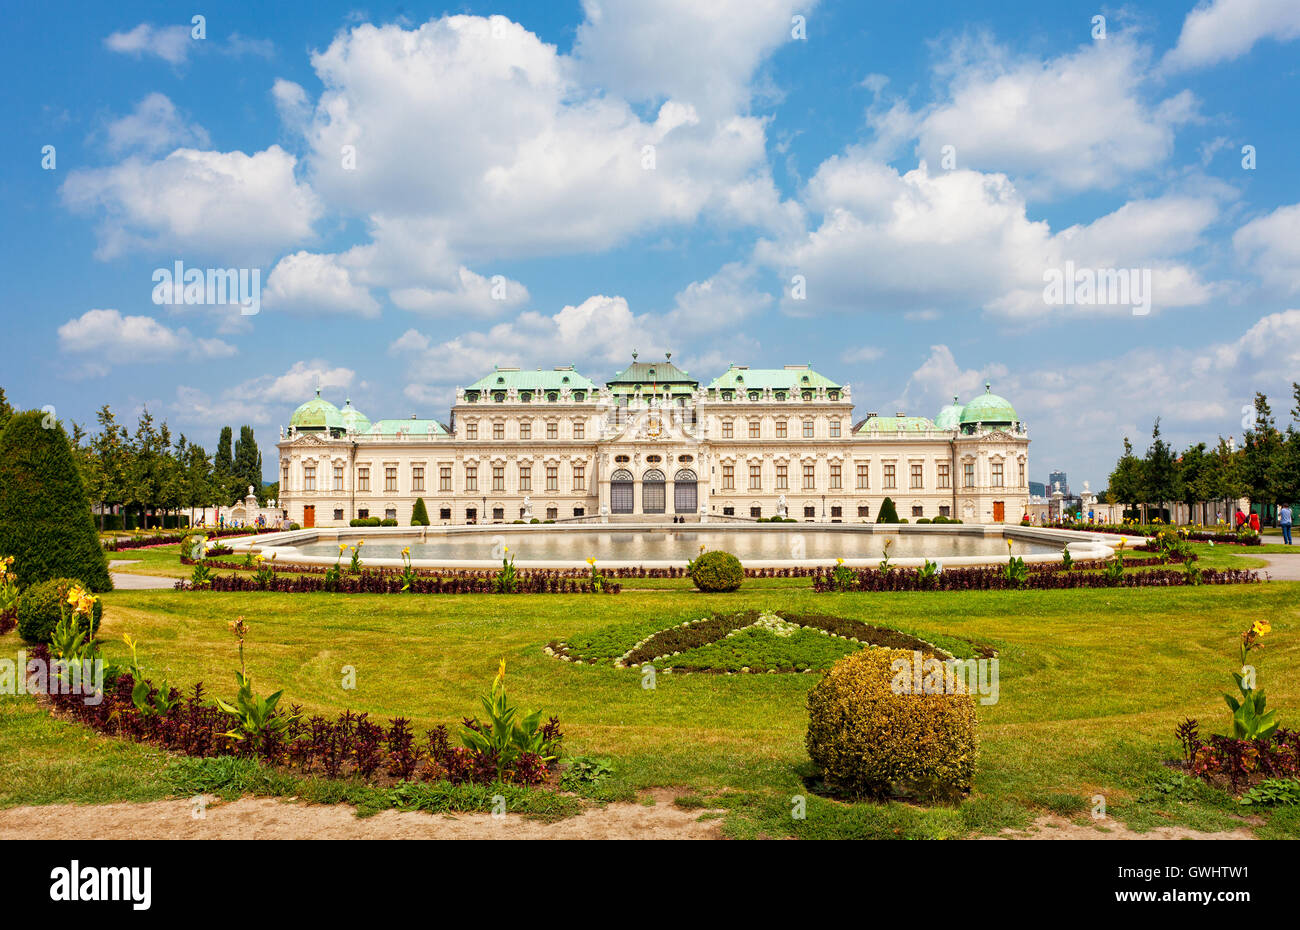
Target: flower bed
{"x":637,"y":572}
{"x":352,"y":745}
{"x":996,"y":579}
{"x":171,"y":539}
{"x":1225,"y":536}
{"x":371,"y":582}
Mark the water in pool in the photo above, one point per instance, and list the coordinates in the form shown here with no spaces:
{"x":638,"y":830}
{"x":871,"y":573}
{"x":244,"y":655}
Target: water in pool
{"x":664,"y":545}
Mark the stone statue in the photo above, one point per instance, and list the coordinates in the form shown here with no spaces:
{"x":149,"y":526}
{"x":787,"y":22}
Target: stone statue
{"x":528,"y":507}
{"x":782,"y":508}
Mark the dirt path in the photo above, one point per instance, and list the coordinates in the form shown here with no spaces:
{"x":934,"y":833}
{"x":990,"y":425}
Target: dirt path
{"x":273,"y":819}
{"x":1283,"y":566}
{"x":1054,"y":827}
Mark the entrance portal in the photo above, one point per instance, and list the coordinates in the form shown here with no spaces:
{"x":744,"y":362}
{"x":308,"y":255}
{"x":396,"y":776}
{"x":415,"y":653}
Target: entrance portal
{"x":685,"y":493}
{"x":620,"y":492}
{"x":652,"y":492}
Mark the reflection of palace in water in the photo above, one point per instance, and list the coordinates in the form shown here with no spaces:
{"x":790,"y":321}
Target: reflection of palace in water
{"x":655,"y":444}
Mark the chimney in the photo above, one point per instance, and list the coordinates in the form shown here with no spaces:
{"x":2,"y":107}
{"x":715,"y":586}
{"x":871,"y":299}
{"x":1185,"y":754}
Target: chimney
{"x":900,"y":414}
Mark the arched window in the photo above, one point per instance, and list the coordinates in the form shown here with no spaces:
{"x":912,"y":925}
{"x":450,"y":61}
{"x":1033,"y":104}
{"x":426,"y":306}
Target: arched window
{"x":652,"y":492}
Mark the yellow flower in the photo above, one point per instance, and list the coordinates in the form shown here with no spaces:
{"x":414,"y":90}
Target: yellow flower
{"x":406,"y":551}
{"x":1262,"y":627}
{"x":258,"y":558}
{"x":343,"y":547}
{"x":591,"y":561}
{"x":839,"y":561}
{"x":506,"y":548}
{"x":360,"y":543}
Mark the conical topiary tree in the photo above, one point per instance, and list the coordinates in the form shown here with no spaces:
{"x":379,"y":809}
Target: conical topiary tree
{"x":888,"y":513}
{"x":419,"y":514}
{"x":45,"y":521}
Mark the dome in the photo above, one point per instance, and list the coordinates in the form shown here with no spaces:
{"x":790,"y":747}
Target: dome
{"x":317,"y":414}
{"x":990,"y":409}
{"x":354,"y":421}
{"x":950,"y":416}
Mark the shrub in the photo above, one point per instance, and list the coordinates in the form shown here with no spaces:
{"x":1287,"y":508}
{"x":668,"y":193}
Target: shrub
{"x":717,"y":571}
{"x":869,"y":740}
{"x":923,"y":520}
{"x":45,"y":521}
{"x":294,"y":526}
{"x":41,"y":607}
{"x":888,"y":513}
{"x":388,"y":522}
{"x":419,"y":513}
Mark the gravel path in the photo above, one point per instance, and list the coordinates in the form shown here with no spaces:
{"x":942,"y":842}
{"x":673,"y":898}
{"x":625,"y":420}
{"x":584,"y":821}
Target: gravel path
{"x":1284,"y":567}
{"x":122,"y":581}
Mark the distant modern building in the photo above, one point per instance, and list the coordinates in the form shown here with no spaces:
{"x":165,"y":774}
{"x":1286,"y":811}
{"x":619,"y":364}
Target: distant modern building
{"x":1058,"y":477}
{"x":655,"y":443}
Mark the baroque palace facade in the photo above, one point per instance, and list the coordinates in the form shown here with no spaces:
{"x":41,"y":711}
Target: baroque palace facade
{"x":654,"y":444}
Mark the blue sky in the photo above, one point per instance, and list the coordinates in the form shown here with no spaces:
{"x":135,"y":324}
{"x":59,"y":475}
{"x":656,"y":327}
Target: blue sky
{"x":880,"y":195}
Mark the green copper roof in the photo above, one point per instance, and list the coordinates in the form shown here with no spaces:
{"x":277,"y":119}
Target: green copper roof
{"x":950,"y":416}
{"x":503,"y":379}
{"x":792,"y":378}
{"x":648,"y":373}
{"x":894,"y":424}
{"x":354,"y":421}
{"x":989,"y":408}
{"x":412,"y":425}
{"x":317,"y":413}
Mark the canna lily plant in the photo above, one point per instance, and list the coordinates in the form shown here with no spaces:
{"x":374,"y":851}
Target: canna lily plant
{"x":1249,"y":719}
{"x":501,"y":735}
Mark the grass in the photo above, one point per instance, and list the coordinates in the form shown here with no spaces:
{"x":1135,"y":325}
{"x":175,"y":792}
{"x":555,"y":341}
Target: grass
{"x":1092,"y":684}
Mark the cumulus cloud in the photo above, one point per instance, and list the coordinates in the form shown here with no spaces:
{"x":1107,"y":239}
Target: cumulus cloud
{"x":170,"y":43}
{"x":1221,"y":30}
{"x":155,"y":124}
{"x":922,"y":242}
{"x":262,"y":399}
{"x":1270,"y":245}
{"x":1076,"y":122}
{"x":109,"y":336}
{"x":316,"y":284}
{"x":224,"y":204}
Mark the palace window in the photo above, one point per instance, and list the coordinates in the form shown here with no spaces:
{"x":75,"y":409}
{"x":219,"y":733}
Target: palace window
{"x":783,"y":477}
{"x":444,"y":513}
{"x":864,"y":476}
{"x":809,"y":475}
{"x":944,"y":510}
{"x":945,"y":479}
{"x":810,"y":513}
{"x":498,"y":513}
{"x":755,"y":512}
{"x":755,"y":429}
{"x":579,"y":511}
{"x":552,"y":431}
{"x":471,"y":431}
{"x":918,"y":475}
{"x":835,"y":429}
{"x":1022,"y":474}
{"x":728,"y":476}
{"x":525,"y":477}
{"x":363,"y":479}
{"x":552,"y":477}
{"x":864,"y":510}
{"x":727,"y":429}
{"x":338,"y":513}
{"x":526,"y":429}
{"x":807,"y":429}
{"x":579,"y":479}
{"x":498,"y":431}
{"x":471,"y":514}
{"x":390,"y":514}
{"x":498,"y":477}
{"x":968,"y":474}
{"x":363,"y":514}
{"x":390,"y":477}
{"x":890,"y":480}
{"x":837,"y":513}
{"x":471,"y":478}
{"x":552,"y":513}
{"x":918,"y":511}
{"x":444,"y":479}
{"x":309,"y":477}
{"x":836,"y":481}
{"x":997,"y":474}
{"x":579,"y":429}
{"x":728,"y":511}
{"x":284,"y":477}
{"x":756,"y":477}
{"x":417,"y":477}
{"x":338,"y":477}
{"x":780,"y":429}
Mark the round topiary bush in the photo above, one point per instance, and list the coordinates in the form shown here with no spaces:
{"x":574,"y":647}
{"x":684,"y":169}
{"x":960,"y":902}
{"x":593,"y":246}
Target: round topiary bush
{"x":873,"y":739}
{"x":41,"y":607}
{"x":717,"y":571}
{"x":45,"y":521}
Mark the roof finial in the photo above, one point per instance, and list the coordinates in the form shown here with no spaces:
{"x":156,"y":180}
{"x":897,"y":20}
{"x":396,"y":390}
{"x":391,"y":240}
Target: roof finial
{"x":669,"y":356}
{"x":634,"y":355}
{"x":988,"y":387}
{"x":318,"y":390}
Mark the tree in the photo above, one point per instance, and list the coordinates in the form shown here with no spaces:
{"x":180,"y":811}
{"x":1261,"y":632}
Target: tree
{"x":1193,"y":466}
{"x":6,"y":411}
{"x":199,"y":486}
{"x":1126,"y":481}
{"x":419,"y":513}
{"x":112,"y":457}
{"x":247,"y":468}
{"x":1224,"y":481}
{"x":1260,"y":452}
{"x":1159,"y":472}
{"x":1284,"y":476}
{"x":888,"y":513}
{"x":223,"y":468}
{"x":45,"y":521}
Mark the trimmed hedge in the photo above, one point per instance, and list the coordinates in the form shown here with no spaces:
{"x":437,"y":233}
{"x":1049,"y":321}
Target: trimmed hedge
{"x":45,"y":520}
{"x":717,"y":571}
{"x":40,"y":608}
{"x":419,"y":513}
{"x":888,"y":512}
{"x":870,"y":740}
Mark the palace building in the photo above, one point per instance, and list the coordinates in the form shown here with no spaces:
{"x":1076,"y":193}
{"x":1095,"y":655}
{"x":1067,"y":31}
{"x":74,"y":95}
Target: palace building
{"x":655,"y":444}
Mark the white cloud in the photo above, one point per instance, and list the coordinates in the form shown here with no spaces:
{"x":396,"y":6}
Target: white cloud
{"x":862,"y":354}
{"x":227,"y":205}
{"x":155,"y":124}
{"x":1221,"y":30}
{"x":918,"y":243}
{"x":1077,"y":122}
{"x":110,"y":338}
{"x":170,"y":43}
{"x":1271,"y":246}
{"x":316,"y":284}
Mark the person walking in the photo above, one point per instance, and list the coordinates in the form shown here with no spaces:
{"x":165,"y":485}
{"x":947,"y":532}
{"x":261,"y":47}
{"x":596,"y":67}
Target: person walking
{"x":1254,"y":521}
{"x":1241,"y":519}
{"x":1284,"y":519}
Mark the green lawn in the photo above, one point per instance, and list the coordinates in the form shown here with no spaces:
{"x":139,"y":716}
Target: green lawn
{"x":1092,"y":684}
